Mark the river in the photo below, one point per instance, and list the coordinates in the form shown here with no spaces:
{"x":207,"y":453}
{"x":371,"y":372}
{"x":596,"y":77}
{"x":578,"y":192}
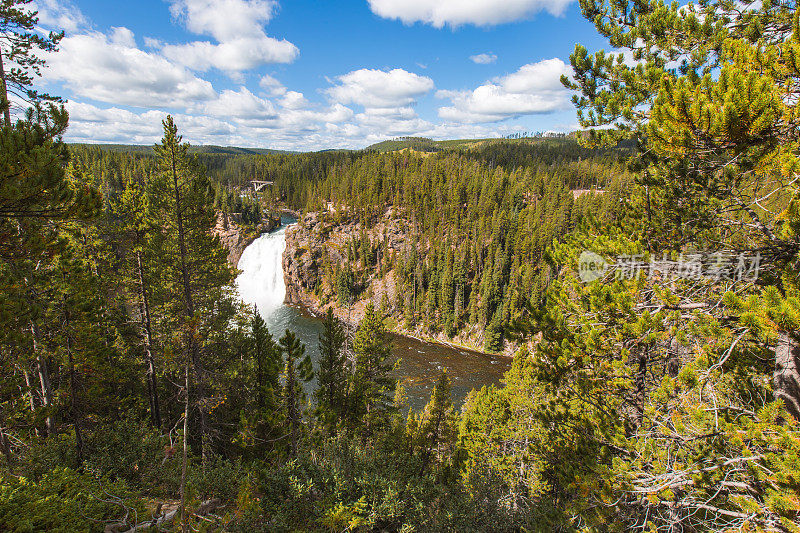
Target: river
{"x":261,"y":284}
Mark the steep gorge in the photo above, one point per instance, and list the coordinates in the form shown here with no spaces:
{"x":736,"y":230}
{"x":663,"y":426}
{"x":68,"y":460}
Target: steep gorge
{"x":316,"y":251}
{"x":235,"y":237}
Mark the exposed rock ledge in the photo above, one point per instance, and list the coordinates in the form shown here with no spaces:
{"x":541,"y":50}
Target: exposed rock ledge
{"x":315,"y":241}
{"x":235,"y":237}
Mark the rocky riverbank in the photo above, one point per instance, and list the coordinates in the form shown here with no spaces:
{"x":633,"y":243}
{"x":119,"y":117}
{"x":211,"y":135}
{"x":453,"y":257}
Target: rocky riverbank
{"x":236,"y":237}
{"x":319,"y":242}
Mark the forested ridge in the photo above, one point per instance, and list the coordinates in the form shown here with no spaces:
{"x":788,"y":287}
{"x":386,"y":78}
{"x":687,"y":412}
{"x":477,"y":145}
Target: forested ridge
{"x":138,"y":391}
{"x":478,"y":219}
{"x":476,"y":227}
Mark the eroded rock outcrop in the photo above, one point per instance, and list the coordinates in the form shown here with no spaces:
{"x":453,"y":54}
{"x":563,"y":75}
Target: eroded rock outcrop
{"x":318,"y":241}
{"x":235,"y":237}
{"x":317,"y":248}
{"x":300,"y":267}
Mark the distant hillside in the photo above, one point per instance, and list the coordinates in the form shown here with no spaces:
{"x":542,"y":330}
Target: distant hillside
{"x":199,"y":149}
{"x":423,"y":144}
{"x":419,"y":144}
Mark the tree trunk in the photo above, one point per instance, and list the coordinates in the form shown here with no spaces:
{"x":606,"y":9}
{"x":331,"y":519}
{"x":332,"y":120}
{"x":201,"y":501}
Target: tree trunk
{"x":4,"y":95}
{"x":291,"y":399}
{"x":5,"y":444}
{"x":189,"y":302}
{"x":73,"y":389}
{"x":638,"y":359}
{"x":47,"y":394}
{"x":786,"y":377}
{"x":185,"y":458}
{"x":44,"y":382}
{"x":31,"y":389}
{"x":152,"y":382}
{"x":674,"y":357}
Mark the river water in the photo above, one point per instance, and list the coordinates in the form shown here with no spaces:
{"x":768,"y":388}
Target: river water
{"x":261,"y":284}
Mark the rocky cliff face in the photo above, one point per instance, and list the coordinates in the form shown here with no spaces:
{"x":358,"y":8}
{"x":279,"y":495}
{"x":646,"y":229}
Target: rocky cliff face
{"x":317,"y":243}
{"x":301,"y":261}
{"x":235,"y":238}
{"x":317,"y":246}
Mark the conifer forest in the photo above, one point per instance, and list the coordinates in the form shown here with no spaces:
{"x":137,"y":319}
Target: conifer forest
{"x":639,"y":274}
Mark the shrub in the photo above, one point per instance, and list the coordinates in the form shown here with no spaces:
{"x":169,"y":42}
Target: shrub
{"x":64,"y":500}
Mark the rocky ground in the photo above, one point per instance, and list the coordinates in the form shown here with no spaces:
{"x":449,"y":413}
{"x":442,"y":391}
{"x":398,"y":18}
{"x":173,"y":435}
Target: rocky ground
{"x":315,"y":241}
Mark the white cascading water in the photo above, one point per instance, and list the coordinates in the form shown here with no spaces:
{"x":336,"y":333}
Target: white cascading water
{"x":261,"y":284}
{"x":261,"y":281}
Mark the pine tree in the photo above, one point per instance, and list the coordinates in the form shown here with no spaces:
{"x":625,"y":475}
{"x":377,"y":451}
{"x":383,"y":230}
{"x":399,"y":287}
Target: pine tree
{"x":438,"y":426}
{"x":332,"y":375}
{"x":137,"y":228}
{"x":198,"y":277}
{"x":297,"y":370}
{"x":267,"y":358}
{"x":34,"y":186}
{"x":20,"y":62}
{"x":372,"y":385}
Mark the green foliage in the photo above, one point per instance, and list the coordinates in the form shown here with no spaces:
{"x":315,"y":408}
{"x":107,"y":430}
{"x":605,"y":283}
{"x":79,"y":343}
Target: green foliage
{"x":331,"y":393}
{"x":219,"y":478}
{"x":472,"y":253}
{"x":435,"y":430}
{"x":20,"y":60}
{"x":298,"y":369}
{"x":369,"y":487}
{"x":130,"y":451}
{"x":371,"y":386}
{"x":634,"y":402}
{"x":63,"y":500}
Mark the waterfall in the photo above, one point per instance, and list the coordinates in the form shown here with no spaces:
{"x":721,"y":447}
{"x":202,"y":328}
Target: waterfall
{"x":261,"y":281}
{"x":261,"y":284}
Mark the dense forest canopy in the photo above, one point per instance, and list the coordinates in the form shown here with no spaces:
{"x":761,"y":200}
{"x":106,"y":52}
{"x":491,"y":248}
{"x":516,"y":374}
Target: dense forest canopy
{"x":136,"y":388}
{"x":478,"y":224}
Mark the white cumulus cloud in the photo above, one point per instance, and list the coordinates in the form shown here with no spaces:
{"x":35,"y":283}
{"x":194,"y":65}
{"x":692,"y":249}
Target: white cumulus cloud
{"x":294,"y":100}
{"x":439,"y":13}
{"x":372,"y":88}
{"x":111,"y":68}
{"x":89,"y":123}
{"x":232,"y":56}
{"x":271,"y":85}
{"x":59,"y":15}
{"x":239,"y":104}
{"x":237,"y":26}
{"x":533,"y":89}
{"x":224,"y":20}
{"x":483,"y":59}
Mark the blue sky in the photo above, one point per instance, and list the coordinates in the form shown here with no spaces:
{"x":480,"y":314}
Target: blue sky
{"x":311,"y":75}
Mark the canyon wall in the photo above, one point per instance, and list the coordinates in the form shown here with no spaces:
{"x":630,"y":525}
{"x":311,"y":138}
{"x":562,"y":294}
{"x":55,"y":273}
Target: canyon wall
{"x":236,"y":237}
{"x":318,"y":245}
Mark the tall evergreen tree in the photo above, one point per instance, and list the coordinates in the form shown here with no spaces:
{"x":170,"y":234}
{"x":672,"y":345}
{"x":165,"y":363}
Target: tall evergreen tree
{"x":438,"y":426}
{"x":20,"y":45}
{"x":137,"y":227}
{"x":297,"y":370}
{"x":372,"y":384}
{"x":332,"y":374}
{"x":198,"y":277}
{"x":267,"y":357}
